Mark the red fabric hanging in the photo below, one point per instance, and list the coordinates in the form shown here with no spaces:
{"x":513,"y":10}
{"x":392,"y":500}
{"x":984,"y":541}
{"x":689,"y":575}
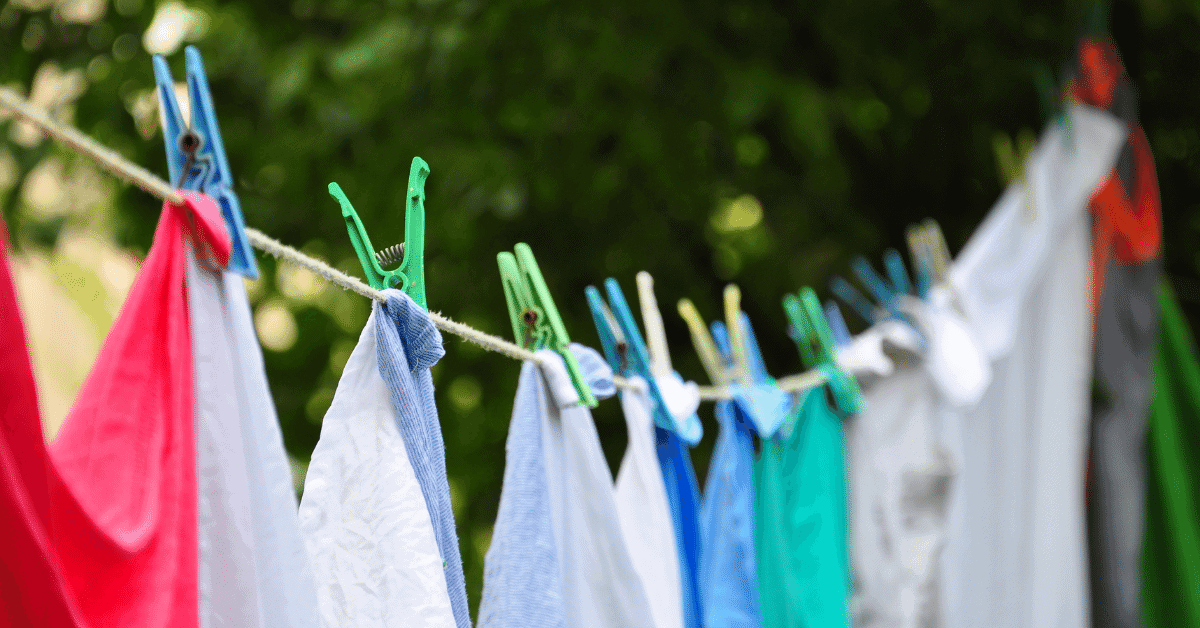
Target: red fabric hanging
{"x":107,"y":534}
{"x":1128,"y":226}
{"x":32,"y":588}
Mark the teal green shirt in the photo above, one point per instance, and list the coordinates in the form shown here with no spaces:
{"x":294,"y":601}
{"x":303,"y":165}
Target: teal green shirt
{"x":802,"y":546}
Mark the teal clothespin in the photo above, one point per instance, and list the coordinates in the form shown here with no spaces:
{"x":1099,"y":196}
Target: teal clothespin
{"x":535,"y":320}
{"x":409,"y":276}
{"x":814,"y":338}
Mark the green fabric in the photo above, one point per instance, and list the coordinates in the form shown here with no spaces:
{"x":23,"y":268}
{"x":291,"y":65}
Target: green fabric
{"x":1171,"y":551}
{"x":803,"y":545}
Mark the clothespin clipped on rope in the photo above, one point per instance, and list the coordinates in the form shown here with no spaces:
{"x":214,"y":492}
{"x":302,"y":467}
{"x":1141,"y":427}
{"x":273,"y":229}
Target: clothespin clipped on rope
{"x":814,"y":338}
{"x":535,"y":320}
{"x":409,"y":276}
{"x":626,"y":352}
{"x":927,"y":246}
{"x":755,"y":391}
{"x":656,"y":335}
{"x":706,"y":347}
{"x":196,"y":153}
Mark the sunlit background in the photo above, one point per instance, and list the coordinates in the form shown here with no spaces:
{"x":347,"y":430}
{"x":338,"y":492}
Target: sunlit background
{"x":705,"y":142}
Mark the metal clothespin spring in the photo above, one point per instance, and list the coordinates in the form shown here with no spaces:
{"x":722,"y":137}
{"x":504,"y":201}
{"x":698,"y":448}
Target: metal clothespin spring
{"x":391,"y":255}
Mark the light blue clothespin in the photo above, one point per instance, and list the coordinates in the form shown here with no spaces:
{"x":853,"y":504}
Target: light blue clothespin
{"x":625,"y":349}
{"x":845,"y":291}
{"x":196,"y":154}
{"x":837,"y":323}
{"x":896,"y":271}
{"x":761,"y":398}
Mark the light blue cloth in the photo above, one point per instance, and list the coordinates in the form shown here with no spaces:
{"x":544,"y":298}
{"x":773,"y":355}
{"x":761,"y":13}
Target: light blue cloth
{"x":728,"y":575}
{"x":684,"y":494}
{"x":409,"y":345}
{"x":522,"y":585}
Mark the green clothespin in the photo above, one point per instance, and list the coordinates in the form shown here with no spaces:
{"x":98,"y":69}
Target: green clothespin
{"x":814,"y":338}
{"x":535,"y":320}
{"x":409,"y":276}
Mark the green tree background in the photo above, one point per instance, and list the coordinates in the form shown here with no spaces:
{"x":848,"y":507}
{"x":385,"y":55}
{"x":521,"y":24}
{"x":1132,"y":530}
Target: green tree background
{"x":706,"y":142}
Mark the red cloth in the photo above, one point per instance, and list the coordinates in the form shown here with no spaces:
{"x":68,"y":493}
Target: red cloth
{"x":122,"y":474}
{"x":1128,"y":225}
{"x":32,"y":587}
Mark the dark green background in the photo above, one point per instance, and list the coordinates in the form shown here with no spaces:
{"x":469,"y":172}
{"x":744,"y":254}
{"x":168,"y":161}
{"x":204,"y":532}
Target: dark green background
{"x":606,"y":135}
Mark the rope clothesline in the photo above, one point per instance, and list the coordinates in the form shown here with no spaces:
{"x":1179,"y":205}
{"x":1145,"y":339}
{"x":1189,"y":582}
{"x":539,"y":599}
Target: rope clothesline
{"x":130,"y":172}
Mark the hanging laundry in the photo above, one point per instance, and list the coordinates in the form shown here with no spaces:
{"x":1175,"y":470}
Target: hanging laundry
{"x":1016,"y":555}
{"x":803,"y":570}
{"x":683,"y":493}
{"x":1126,"y":268}
{"x":37,"y":594}
{"x":645,"y":512}
{"x":369,"y":533}
{"x":670,"y":425}
{"x":125,"y":513}
{"x":902,"y":468}
{"x":600,"y":586}
{"x":1170,"y":586}
{"x":728,"y":576}
{"x":522,"y":579}
{"x":409,"y":345}
{"x":253,"y":567}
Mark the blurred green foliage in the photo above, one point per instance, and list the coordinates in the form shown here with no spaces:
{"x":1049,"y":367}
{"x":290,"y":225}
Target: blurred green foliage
{"x":757,"y":142}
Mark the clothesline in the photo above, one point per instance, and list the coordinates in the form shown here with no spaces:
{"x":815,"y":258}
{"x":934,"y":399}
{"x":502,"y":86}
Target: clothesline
{"x":122,"y":168}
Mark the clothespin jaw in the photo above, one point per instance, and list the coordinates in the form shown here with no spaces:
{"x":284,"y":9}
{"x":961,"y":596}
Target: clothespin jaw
{"x":896,"y":271}
{"x":612,"y":341}
{"x":837,"y":322}
{"x":535,"y":320}
{"x":845,"y":291}
{"x":883,"y":293}
{"x":798,"y":329}
{"x":918,"y":250}
{"x":939,"y":252}
{"x":638,"y":361}
{"x":702,"y":340}
{"x":816,"y":343}
{"x":656,"y":336}
{"x":409,"y":276}
{"x":196,"y":152}
{"x":737,"y":335}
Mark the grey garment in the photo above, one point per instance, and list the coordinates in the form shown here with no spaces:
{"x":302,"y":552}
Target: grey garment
{"x":1126,"y":340}
{"x":409,"y":345}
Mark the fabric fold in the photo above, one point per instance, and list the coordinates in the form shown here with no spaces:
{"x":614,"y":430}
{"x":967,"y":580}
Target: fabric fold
{"x":367,"y":528}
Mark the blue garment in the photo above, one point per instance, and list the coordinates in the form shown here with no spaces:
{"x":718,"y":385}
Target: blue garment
{"x":684,"y":494}
{"x":522,"y":585}
{"x":728,"y":574}
{"x":409,"y":345}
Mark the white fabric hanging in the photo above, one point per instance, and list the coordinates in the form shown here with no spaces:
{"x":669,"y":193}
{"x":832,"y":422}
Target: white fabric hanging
{"x":902,"y":470}
{"x":601,"y":588}
{"x":364,"y":517}
{"x":645,"y":513}
{"x":1016,"y":556}
{"x":254,"y":570}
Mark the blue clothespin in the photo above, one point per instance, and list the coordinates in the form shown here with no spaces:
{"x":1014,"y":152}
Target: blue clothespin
{"x":896,"y":271}
{"x":625,"y":349}
{"x":845,"y":291}
{"x":196,"y":154}
{"x":885,"y":294}
{"x":837,"y":323}
{"x":761,"y":398}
